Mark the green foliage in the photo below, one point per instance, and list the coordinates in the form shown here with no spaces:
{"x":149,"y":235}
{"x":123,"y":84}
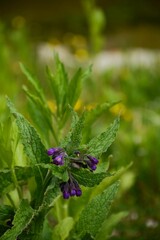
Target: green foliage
{"x":33,"y":146}
{"x":7,"y":178}
{"x":61,"y":231}
{"x":65,"y":91}
{"x":99,"y":206}
{"x":21,"y":220}
{"x":38,"y":107}
{"x":6,"y":213}
{"x":33,"y":187}
{"x":87,"y":179}
{"x":102,"y":142}
{"x":75,"y":135}
{"x":107,"y":226}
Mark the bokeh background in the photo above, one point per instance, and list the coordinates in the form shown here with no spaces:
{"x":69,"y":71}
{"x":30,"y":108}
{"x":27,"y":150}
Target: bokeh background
{"x":121,"y":38}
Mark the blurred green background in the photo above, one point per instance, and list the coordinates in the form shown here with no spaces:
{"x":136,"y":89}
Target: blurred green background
{"x":122,"y":40}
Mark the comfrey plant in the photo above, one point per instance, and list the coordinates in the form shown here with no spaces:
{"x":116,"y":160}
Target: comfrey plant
{"x":54,"y":184}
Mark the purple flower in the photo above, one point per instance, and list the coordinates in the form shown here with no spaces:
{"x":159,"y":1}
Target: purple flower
{"x":92,"y":162}
{"x":70,"y":188}
{"x":93,"y":159}
{"x":58,"y":160}
{"x":91,"y":165}
{"x":78,"y":192}
{"x":53,"y":151}
{"x":57,"y":154}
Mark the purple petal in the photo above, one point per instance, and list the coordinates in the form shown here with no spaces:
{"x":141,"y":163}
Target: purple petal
{"x":59,"y":160}
{"x":66,"y":195}
{"x":78,"y":192}
{"x":93,"y":159}
{"x":53,"y":151}
{"x":72,"y":192}
{"x":93,"y":167}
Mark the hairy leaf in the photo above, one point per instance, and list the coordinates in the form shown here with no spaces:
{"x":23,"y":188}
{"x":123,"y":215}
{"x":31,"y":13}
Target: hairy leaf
{"x":31,"y":141}
{"x":57,"y":171}
{"x":21,"y":220}
{"x":75,"y":120}
{"x":7,"y":147}
{"x":73,"y":138}
{"x":6,"y":177}
{"x":102,"y":142}
{"x":88,"y":179}
{"x":76,"y":133}
{"x":6,"y":213}
{"x":107,"y":226}
{"x":96,"y":112}
{"x":61,"y":231}
{"x":51,"y":192}
{"x":106,"y":182}
{"x":59,"y":84}
{"x":75,"y":85}
{"x":39,"y":112}
{"x":99,"y":206}
{"x":32,"y":79}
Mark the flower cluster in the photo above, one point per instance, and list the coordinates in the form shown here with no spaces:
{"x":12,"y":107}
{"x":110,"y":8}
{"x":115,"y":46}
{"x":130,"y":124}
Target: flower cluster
{"x":84,"y":161}
{"x":70,"y":188}
{"x":77,"y":160}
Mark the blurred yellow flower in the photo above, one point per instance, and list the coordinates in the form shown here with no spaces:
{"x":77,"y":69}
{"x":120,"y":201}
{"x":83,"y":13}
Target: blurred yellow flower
{"x":90,"y":106}
{"x":81,"y":54}
{"x":78,"y":105}
{"x":78,"y":41}
{"x":52,"y":106}
{"x":121,"y":109}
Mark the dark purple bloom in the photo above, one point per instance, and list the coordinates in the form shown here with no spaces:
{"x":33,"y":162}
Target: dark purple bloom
{"x":73,"y":192}
{"x":57,"y":154}
{"x":78,"y":192}
{"x":93,"y":159}
{"x":91,"y":162}
{"x":70,"y":188}
{"x":66,"y":195}
{"x":58,"y":160}
{"x":53,"y":151}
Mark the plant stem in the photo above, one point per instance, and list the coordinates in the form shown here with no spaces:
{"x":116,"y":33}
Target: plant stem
{"x":16,"y":184}
{"x":11,"y":200}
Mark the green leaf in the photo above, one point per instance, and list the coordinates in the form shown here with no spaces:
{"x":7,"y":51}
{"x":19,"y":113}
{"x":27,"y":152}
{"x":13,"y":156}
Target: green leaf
{"x":106,"y":182}
{"x":76,"y":133}
{"x":96,"y":112}
{"x":32,"y":79}
{"x":51,"y":192}
{"x":74,"y":88}
{"x":59,"y":85}
{"x":21,"y":220}
{"x":61,"y":231}
{"x":7,"y":147}
{"x":57,"y":171}
{"x":96,"y":211}
{"x":6,"y":213}
{"x":102,"y":142}
{"x":6,"y":181}
{"x":107,"y":226}
{"x":40,"y":113}
{"x":73,"y":138}
{"x":88,"y":179}
{"x":75,"y":120}
{"x":31,"y":141}
{"x":6,"y":177}
{"x":54,"y":85}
